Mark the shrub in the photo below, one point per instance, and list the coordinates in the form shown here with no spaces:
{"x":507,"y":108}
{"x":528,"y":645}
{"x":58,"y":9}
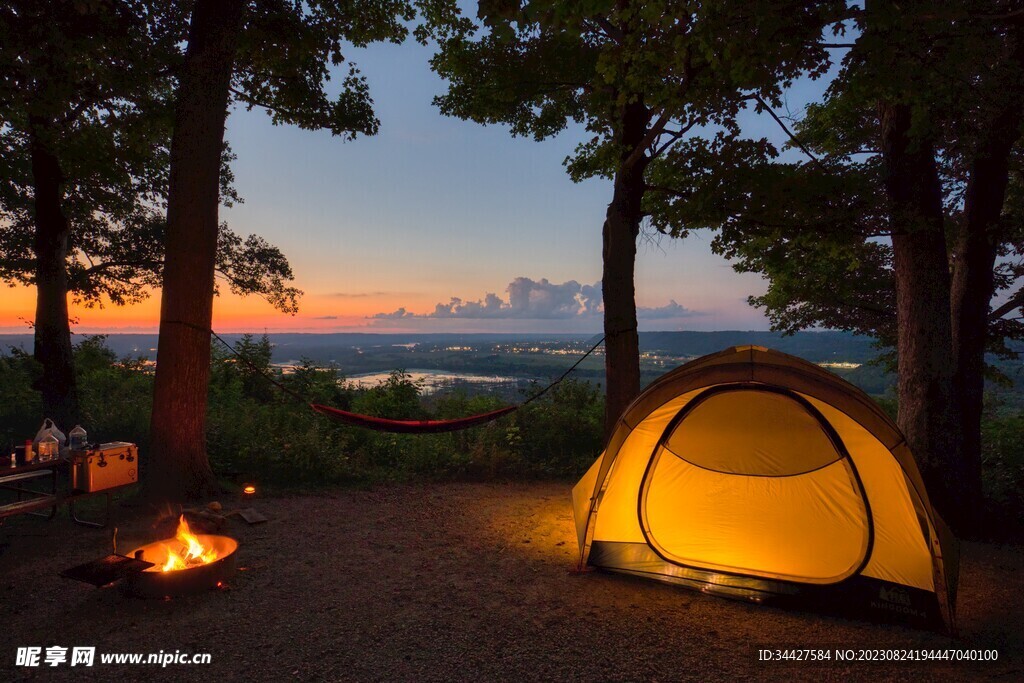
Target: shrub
{"x":115,"y":394}
{"x":20,"y":404}
{"x":560,"y":434}
{"x":256,"y":430}
{"x":1003,"y":469}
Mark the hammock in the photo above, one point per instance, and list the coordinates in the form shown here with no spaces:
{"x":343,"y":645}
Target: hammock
{"x":381,"y":424}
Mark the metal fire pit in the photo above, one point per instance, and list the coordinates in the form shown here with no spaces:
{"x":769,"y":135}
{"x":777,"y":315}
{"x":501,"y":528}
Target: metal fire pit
{"x":153,"y":583}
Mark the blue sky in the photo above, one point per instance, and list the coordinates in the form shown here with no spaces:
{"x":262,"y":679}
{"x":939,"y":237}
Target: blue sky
{"x":441,"y":225}
{"x":434,"y":208}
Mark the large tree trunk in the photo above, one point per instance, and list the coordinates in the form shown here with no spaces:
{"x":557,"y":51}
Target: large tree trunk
{"x":978,"y":238}
{"x":978,"y":242}
{"x":179,"y":467}
{"x":52,"y":329}
{"x":928,"y":412}
{"x":621,"y":229}
{"x":973,"y":285}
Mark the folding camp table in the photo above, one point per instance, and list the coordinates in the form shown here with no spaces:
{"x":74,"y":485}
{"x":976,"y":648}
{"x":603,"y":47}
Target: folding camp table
{"x":35,"y":501}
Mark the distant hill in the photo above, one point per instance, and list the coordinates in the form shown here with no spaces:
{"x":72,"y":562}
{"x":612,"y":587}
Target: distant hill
{"x":817,"y":347}
{"x":814,"y":346}
{"x":515,"y":354}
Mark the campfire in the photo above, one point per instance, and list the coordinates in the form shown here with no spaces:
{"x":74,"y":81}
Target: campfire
{"x":187,"y":563}
{"x":192,"y":551}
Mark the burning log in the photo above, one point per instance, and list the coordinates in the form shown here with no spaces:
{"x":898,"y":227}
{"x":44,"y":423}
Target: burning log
{"x":192,"y":552}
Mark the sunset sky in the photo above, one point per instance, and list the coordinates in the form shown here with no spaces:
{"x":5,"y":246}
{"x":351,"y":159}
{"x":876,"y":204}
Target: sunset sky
{"x":384,"y":233}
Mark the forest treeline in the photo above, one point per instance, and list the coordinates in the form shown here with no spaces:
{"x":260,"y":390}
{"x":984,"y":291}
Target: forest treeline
{"x":258,"y":433}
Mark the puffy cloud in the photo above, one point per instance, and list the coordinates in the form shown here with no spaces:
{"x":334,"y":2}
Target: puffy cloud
{"x":669,"y":310}
{"x":491,"y":306}
{"x":530,"y":299}
{"x":527,"y":299}
{"x":395,"y":315}
{"x":591,"y":298}
{"x":546,"y":300}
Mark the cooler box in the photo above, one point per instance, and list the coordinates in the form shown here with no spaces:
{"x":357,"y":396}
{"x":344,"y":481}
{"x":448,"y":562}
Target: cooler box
{"x":105,"y":467}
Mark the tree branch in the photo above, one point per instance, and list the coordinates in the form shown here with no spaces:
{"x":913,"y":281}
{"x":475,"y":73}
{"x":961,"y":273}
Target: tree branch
{"x":1011,"y":304}
{"x":866,"y":307}
{"x":669,"y":191}
{"x":652,"y":135}
{"x":673,"y":136}
{"x":252,"y":102}
{"x":108,"y":265}
{"x":263,"y":294}
{"x":792,"y":137}
{"x":610,"y":30}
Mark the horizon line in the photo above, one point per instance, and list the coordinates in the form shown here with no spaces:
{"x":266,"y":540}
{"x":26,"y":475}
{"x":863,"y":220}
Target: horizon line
{"x":155,"y":332}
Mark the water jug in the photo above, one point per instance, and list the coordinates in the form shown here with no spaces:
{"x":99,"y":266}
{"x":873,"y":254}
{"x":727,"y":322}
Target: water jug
{"x":77,"y":438}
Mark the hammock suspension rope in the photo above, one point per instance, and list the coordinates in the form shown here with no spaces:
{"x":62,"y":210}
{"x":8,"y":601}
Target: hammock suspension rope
{"x":383,"y":424}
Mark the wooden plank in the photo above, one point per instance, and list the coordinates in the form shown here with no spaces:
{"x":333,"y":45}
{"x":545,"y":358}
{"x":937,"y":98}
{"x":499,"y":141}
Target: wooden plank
{"x":38,"y":465}
{"x":22,"y":476}
{"x":41,"y":503}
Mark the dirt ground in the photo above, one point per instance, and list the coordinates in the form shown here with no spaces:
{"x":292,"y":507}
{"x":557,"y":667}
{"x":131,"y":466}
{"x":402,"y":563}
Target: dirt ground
{"x":450,"y":582}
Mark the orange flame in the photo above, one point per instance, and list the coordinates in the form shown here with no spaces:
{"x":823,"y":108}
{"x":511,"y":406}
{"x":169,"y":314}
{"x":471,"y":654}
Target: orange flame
{"x":174,"y":561}
{"x":194,"y":551}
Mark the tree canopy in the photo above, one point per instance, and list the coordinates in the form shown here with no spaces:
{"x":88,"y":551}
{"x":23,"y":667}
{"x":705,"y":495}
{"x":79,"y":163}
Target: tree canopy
{"x":642,"y":79}
{"x":803,"y":222}
{"x":901,"y":219}
{"x":111,"y":138}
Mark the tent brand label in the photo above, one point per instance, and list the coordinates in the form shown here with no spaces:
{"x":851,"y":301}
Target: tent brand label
{"x":895,"y":596}
{"x":898,"y":601}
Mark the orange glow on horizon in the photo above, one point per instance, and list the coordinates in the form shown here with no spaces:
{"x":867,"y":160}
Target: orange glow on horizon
{"x":231,"y":313}
{"x":323,"y":311}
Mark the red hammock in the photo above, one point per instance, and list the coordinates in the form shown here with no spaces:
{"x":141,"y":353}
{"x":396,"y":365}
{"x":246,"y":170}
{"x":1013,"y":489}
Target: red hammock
{"x":410,"y":426}
{"x":382,"y":424}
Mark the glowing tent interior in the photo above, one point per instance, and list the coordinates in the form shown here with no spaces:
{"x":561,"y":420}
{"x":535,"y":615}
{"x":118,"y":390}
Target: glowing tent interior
{"x":757,"y":475}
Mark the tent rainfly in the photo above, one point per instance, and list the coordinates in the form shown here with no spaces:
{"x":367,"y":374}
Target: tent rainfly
{"x":760,"y":476}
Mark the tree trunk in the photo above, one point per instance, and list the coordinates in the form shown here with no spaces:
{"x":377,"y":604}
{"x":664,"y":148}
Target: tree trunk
{"x":978,"y":238}
{"x":621,"y":229}
{"x":927,"y":406}
{"x":52,"y":329}
{"x":179,"y":467}
{"x":973,"y":287}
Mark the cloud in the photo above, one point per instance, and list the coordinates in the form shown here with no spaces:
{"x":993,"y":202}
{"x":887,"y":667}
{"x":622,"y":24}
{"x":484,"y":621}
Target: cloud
{"x":669,"y":310}
{"x":534,"y":300}
{"x":324,"y":317}
{"x":397,"y":315}
{"x":527,"y":300}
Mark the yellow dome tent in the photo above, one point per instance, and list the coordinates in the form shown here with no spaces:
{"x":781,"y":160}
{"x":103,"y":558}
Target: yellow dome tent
{"x":757,"y":475}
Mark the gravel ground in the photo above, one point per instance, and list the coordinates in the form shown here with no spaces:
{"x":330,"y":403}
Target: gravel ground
{"x":450,"y":582}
